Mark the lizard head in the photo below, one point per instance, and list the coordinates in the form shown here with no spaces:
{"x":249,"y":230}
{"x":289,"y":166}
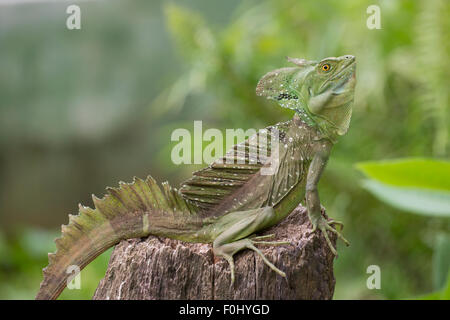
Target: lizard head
{"x":320,"y":91}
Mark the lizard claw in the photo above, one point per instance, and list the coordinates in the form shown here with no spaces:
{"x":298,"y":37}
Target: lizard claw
{"x":324,"y":226}
{"x":339,"y":223}
{"x":255,"y":237}
{"x":228,"y":250}
{"x":251,"y":245}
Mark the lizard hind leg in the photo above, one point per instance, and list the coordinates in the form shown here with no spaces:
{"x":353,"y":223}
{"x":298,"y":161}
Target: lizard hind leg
{"x":236,"y":238}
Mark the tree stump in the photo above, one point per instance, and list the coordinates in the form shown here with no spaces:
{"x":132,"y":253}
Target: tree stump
{"x":157,"y":268}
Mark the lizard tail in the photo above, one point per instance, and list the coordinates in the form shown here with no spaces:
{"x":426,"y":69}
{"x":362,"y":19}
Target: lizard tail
{"x":133,"y":210}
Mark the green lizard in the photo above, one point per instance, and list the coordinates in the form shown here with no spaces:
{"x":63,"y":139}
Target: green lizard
{"x":230,"y":201}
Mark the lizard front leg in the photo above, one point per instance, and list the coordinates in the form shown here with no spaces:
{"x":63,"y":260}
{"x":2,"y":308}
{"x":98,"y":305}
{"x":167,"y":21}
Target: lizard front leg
{"x":312,"y":197}
{"x":238,"y":237}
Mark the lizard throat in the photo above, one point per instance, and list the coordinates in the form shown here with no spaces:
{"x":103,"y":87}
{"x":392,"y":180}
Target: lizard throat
{"x":326,"y":127}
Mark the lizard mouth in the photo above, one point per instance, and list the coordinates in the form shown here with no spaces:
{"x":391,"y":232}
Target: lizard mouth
{"x":345,"y":80}
{"x":350,"y":68}
{"x":346,"y":74}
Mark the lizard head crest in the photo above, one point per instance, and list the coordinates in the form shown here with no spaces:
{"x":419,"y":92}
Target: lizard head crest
{"x":320,"y":91}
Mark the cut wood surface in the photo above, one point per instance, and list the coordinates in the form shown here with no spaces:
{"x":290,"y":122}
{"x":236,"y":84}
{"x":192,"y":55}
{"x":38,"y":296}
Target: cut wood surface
{"x":159,"y":268}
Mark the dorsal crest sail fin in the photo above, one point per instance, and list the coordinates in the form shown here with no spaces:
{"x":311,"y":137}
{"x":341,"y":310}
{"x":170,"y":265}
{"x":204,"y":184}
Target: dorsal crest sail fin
{"x":130,"y":211}
{"x":208,"y":187}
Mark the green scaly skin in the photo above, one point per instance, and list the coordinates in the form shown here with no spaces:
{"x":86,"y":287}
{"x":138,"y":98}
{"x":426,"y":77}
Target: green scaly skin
{"x":229,"y":202}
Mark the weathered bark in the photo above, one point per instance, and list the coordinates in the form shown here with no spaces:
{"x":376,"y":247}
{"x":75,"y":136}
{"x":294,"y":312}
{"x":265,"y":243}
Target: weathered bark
{"x":156,"y":268}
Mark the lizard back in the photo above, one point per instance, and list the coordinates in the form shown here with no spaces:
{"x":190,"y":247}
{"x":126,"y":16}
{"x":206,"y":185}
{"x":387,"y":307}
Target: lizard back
{"x":238,"y":182}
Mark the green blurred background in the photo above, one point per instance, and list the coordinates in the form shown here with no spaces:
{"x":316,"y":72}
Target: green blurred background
{"x":83,"y":109}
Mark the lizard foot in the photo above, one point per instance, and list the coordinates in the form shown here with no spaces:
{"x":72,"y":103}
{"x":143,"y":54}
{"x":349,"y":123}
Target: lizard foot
{"x":324,"y":225}
{"x":257,"y":240}
{"x":228,"y":250}
{"x":250,"y":244}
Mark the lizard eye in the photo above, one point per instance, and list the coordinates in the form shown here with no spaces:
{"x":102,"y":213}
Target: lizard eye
{"x":326,"y":67}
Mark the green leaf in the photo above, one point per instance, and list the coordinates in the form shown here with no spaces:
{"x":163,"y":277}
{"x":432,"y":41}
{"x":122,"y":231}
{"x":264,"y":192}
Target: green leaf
{"x":417,"y":185}
{"x":416,"y":200}
{"x":443,"y":294}
{"x":410,"y":172}
{"x":441,"y":260}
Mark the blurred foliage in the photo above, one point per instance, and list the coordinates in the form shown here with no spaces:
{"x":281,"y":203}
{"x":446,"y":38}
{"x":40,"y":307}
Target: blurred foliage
{"x":416,"y":185}
{"x":442,"y":294}
{"x":441,"y":261}
{"x":80,"y":110}
{"x":419,"y":186}
{"x":23,"y":257}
